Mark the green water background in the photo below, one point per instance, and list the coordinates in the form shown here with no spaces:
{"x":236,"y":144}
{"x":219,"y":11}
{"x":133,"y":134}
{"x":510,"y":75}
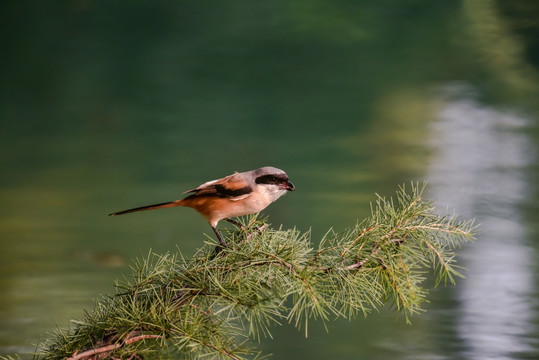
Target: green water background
{"x":111,"y":105}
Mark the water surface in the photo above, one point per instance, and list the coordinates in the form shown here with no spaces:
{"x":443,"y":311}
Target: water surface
{"x":110,"y":106}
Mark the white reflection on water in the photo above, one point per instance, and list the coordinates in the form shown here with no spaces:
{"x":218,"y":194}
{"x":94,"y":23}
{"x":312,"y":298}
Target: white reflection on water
{"x":478,"y":169}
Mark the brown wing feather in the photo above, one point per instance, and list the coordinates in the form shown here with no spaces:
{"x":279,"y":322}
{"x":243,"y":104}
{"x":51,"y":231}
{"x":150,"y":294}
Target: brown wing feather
{"x":228,"y":187}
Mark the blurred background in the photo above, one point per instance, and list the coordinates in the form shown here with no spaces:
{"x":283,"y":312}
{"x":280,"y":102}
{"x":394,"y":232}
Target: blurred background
{"x":110,"y":105}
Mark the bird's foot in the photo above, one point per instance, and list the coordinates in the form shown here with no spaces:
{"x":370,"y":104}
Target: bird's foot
{"x":248,"y":235}
{"x":259,"y":230}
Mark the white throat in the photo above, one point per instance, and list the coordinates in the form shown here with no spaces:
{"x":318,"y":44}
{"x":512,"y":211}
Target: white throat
{"x":272,"y":192}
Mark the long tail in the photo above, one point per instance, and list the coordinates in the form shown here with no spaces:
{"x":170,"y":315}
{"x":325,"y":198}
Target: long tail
{"x":150,"y":207}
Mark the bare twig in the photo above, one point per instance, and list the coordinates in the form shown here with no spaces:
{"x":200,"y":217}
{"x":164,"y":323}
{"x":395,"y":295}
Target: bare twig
{"x":109,"y":348}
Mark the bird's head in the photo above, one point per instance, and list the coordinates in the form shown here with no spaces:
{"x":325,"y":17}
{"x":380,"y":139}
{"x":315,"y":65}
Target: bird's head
{"x":275,"y":180}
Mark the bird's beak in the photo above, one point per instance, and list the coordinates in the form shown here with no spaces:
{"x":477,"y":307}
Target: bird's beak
{"x":290,"y":186}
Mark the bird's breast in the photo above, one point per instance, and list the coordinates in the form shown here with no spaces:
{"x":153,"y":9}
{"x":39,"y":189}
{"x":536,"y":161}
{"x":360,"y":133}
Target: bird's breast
{"x":215,"y":208}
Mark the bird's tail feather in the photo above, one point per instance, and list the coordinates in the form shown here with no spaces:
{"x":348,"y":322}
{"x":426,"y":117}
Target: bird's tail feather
{"x":150,"y":207}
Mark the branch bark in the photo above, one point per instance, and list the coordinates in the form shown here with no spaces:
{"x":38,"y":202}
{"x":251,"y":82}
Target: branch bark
{"x":101,"y":351}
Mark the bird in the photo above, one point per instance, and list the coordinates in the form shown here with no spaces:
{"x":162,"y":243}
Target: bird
{"x":238,"y":194}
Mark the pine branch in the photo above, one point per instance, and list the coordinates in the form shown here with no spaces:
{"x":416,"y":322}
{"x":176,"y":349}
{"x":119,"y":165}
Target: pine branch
{"x":206,"y":305}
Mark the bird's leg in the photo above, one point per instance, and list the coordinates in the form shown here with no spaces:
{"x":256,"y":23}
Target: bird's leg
{"x":221,"y":240}
{"x":236,"y":223}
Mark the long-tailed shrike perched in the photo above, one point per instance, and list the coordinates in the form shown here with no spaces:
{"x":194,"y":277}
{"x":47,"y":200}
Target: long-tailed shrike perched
{"x":235,"y":195}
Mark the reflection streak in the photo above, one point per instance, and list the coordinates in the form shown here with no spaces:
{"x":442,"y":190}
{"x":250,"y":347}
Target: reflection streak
{"x":478,"y":169}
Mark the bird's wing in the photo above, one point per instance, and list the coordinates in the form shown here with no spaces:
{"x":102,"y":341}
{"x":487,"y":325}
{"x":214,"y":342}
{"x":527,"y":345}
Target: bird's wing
{"x":202,"y":187}
{"x":233,"y":187}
